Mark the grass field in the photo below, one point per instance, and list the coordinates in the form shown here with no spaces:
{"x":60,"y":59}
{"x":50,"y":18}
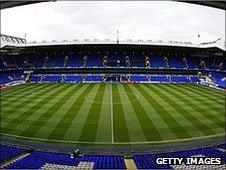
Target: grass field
{"x":112,"y":113}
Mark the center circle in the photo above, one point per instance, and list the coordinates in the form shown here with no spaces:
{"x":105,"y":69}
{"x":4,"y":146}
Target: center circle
{"x":112,"y":98}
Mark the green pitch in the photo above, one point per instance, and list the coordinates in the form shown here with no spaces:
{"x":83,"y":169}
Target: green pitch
{"x":112,"y":113}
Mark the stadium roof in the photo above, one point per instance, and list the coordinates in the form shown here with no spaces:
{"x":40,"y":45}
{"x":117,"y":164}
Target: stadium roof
{"x":214,"y":4}
{"x":147,"y":47}
{"x":10,"y":4}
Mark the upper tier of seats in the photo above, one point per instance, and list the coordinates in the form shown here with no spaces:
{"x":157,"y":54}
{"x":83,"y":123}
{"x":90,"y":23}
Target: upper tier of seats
{"x":94,"y":60}
{"x":76,"y":60}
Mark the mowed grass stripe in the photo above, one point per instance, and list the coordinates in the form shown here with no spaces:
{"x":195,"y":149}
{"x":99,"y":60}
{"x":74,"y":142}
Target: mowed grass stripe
{"x":192,"y":119}
{"x":147,"y":125}
{"x":41,"y":121}
{"x":186,"y":100}
{"x":211,"y":91}
{"x":42,"y":91}
{"x":62,"y":126}
{"x":6,"y":101}
{"x":15,"y":99}
{"x":209,"y":100}
{"x":81,"y":108}
{"x":37,"y":114}
{"x":210,"y":106}
{"x":120,"y":128}
{"x":190,"y":108}
{"x":14,"y":96}
{"x":20,"y":118}
{"x":134,"y":127}
{"x":12,"y":89}
{"x":16,"y":90}
{"x":187,"y":125}
{"x":90,"y":128}
{"x":54,"y":120}
{"x":213,"y":103}
{"x":178,"y":130}
{"x":104,"y":128}
{"x":158,"y":122}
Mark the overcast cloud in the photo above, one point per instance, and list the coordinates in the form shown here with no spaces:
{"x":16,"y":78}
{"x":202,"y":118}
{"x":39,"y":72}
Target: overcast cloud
{"x":154,"y":20}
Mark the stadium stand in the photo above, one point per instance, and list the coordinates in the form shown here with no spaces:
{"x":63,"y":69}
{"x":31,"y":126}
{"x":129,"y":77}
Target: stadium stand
{"x":160,"y":79}
{"x":75,"y":78}
{"x":93,"y":60}
{"x":52,"y":79}
{"x":180,"y":79}
{"x":41,"y":159}
{"x":220,"y":78}
{"x":11,"y":76}
{"x":149,"y":161}
{"x":8,"y":152}
{"x":45,"y":160}
{"x":140,"y":78}
{"x":77,"y":59}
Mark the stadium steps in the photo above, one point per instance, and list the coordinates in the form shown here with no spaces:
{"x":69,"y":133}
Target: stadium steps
{"x":65,"y":62}
{"x":170,"y":79}
{"x":82,"y":165}
{"x":130,"y":164}
{"x":189,"y":78}
{"x":221,"y":149}
{"x":42,"y":77}
{"x":14,"y":159}
{"x":186,"y":64}
{"x":15,"y":63}
{"x":199,"y":167}
{"x":35,"y":61}
{"x":28,"y":77}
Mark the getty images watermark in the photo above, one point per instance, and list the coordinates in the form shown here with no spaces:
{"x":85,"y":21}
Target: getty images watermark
{"x":189,"y":161}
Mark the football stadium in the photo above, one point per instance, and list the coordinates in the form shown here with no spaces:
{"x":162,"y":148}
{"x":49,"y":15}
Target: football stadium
{"x":111,"y":104}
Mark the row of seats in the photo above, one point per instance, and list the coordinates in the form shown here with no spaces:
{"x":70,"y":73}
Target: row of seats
{"x":8,"y":152}
{"x":220,"y":79}
{"x":40,"y":159}
{"x":100,"y":78}
{"x":9,"y":77}
{"x":149,"y":161}
{"x":94,"y":60}
{"x":66,"y":79}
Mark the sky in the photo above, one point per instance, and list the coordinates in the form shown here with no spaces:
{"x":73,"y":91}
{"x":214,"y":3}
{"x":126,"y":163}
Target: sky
{"x":147,"y":20}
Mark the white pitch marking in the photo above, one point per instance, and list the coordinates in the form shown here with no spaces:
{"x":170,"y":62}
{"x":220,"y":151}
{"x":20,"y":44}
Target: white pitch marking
{"x":109,"y":103}
{"x":112,"y":126}
{"x":120,"y":143}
